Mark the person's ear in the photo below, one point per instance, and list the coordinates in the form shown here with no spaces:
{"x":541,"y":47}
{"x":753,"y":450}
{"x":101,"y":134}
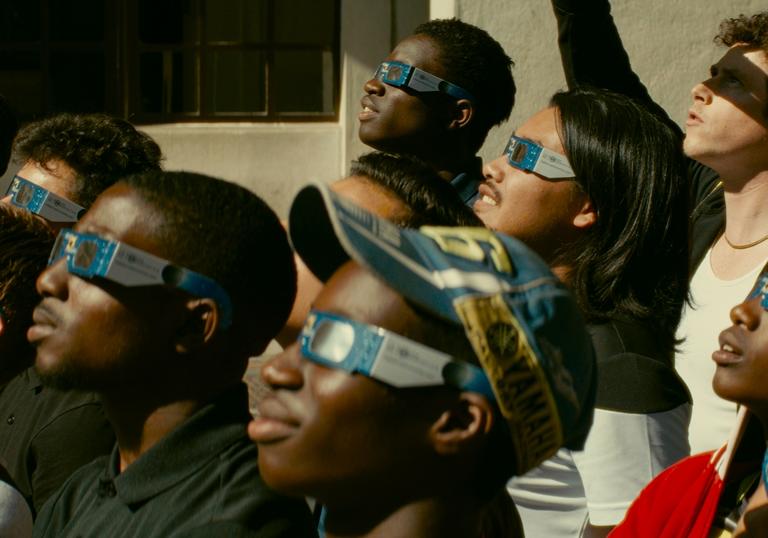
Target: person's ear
{"x":2,"y":322}
{"x":201,"y":321}
{"x":461,"y":114}
{"x":463,"y":426}
{"x":586,"y":216}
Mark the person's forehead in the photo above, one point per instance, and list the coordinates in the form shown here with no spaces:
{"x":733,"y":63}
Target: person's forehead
{"x":356,"y":293}
{"x":750,"y":63}
{"x":419,"y":51}
{"x":120,"y":214}
{"x":55,"y":176}
{"x":541,"y":128}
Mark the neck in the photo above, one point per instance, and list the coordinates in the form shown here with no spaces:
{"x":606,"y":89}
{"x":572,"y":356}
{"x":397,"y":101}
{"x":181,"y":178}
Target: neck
{"x":140,"y":421}
{"x":448,"y":168}
{"x":746,"y":208}
{"x":449,"y":159}
{"x":426,"y":518}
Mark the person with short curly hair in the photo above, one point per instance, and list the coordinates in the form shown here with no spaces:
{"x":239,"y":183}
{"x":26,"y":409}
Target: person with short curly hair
{"x":436,"y":96}
{"x":77,"y":156}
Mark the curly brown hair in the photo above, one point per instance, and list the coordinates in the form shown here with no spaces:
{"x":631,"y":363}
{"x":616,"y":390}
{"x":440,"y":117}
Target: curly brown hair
{"x":750,"y":30}
{"x":100,"y":149}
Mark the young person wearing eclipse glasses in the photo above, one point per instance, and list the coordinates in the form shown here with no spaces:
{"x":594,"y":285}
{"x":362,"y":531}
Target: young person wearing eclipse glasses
{"x":165,"y":345}
{"x":67,"y":160}
{"x":722,"y":492}
{"x":436,"y":96}
{"x":434,"y":365}
{"x":596,"y":185}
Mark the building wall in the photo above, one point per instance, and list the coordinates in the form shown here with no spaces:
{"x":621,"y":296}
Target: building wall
{"x":275,"y":160}
{"x":669,"y":42}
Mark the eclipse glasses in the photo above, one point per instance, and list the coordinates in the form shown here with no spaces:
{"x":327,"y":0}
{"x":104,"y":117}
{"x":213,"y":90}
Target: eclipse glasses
{"x":90,"y":256}
{"x":339,"y":342}
{"x":761,"y":289}
{"x":530,"y":156}
{"x":40,"y":201}
{"x":399,"y":74}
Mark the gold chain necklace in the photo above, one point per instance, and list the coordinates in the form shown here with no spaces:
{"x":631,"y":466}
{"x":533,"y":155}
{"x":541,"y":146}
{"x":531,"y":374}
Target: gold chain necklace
{"x":746,"y":245}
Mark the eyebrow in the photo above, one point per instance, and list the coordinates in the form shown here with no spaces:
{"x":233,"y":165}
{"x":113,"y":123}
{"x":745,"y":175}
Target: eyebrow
{"x":529,"y":139}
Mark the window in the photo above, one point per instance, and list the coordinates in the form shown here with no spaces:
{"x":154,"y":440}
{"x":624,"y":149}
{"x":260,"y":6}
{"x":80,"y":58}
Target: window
{"x":172,"y":60}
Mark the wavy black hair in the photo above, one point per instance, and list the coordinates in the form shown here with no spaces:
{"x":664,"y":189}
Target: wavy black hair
{"x":633,"y":262}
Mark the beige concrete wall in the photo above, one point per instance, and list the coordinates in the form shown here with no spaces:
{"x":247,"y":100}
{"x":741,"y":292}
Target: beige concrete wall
{"x":668,"y":41}
{"x":275,"y":160}
{"x":271,"y":160}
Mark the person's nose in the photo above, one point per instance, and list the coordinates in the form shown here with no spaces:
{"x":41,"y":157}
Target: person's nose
{"x":702,"y":93}
{"x":52,"y":282}
{"x":748,"y":313}
{"x":374,"y":87}
{"x":283,"y":371}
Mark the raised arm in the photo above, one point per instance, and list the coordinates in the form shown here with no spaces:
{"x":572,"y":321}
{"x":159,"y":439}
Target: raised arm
{"x":593,"y":54}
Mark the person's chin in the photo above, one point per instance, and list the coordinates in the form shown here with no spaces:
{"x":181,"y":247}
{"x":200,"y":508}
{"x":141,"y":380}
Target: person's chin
{"x":54,"y":374}
{"x":726,"y":384}
{"x":367,"y":134}
{"x":693,"y":147}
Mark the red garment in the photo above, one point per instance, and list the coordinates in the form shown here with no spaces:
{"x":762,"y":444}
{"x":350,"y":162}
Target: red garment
{"x":679,"y":503}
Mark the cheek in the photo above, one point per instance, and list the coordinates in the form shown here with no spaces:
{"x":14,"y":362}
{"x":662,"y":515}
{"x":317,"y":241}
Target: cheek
{"x":97,"y":324}
{"x":342,"y":437}
{"x":408,"y":112}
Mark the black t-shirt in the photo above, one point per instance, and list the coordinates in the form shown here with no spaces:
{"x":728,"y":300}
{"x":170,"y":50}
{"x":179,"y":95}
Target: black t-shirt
{"x":46,"y":434}
{"x":202,"y":478}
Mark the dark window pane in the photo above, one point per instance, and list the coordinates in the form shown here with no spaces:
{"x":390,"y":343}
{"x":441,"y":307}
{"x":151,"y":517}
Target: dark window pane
{"x":236,"y":20}
{"x":167,"y":21}
{"x":77,"y":82}
{"x":77,"y":20}
{"x":167,"y":82}
{"x":304,"y":81}
{"x":19,"y":20}
{"x":305,"y":21}
{"x":235,"y":82}
{"x":21,"y":81}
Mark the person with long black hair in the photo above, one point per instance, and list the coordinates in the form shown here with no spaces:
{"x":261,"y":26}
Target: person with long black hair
{"x":596,"y":185}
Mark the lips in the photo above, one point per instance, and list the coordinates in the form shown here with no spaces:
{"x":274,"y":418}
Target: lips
{"x":274,"y":423}
{"x":45,"y":322}
{"x":489,"y":196}
{"x":693,"y":118}
{"x":369,"y":110}
{"x":730,"y":351}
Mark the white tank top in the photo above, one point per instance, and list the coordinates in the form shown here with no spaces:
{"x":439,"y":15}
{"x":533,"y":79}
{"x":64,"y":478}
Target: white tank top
{"x":712,"y":418}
